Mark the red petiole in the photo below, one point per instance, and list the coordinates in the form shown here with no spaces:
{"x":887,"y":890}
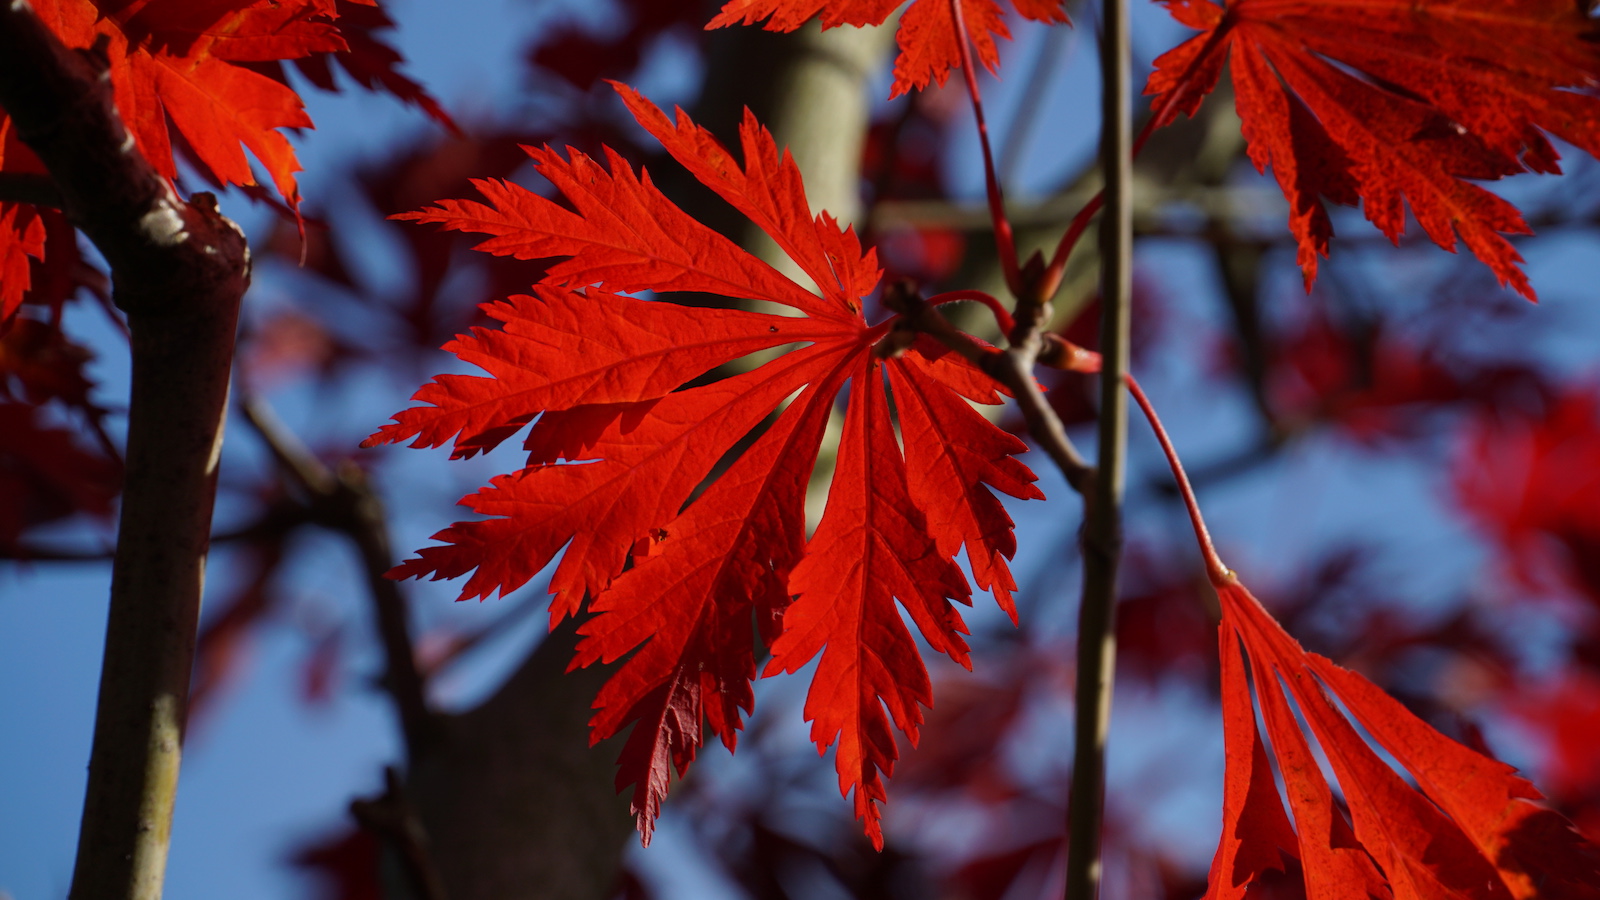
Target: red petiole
{"x":1002,"y":317}
{"x":1005,"y":242}
{"x":1218,"y":572}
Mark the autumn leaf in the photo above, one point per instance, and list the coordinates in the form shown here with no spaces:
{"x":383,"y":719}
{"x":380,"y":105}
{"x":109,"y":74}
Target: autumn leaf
{"x":927,"y":34}
{"x":1470,"y":828}
{"x":21,"y":239}
{"x":369,"y":61}
{"x":176,"y":62}
{"x":22,"y":232}
{"x":625,"y":435}
{"x":1390,"y":103}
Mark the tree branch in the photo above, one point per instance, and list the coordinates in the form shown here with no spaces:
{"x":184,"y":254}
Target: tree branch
{"x":26,"y":187}
{"x":1102,"y":530}
{"x":345,"y":501}
{"x":1012,"y":367}
{"x":179,"y":270}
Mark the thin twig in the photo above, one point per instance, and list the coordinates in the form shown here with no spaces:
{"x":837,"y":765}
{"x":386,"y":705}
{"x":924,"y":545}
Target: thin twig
{"x":31,"y":553}
{"x":274,"y":522}
{"x":1102,"y":531}
{"x":1011,"y":369}
{"x":345,"y":501}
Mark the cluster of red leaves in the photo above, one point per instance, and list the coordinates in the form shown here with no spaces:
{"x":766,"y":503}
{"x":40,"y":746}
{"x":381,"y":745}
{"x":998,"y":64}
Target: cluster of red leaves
{"x":1392,"y":102}
{"x":1375,"y":380}
{"x":622,"y":443}
{"x":205,"y":80}
{"x":340,"y":322}
{"x":1528,"y":479}
{"x":38,"y":249}
{"x":582,"y":59}
{"x":1532,"y":484}
{"x":45,"y":473}
{"x":679,"y":560}
{"x":930,"y":42}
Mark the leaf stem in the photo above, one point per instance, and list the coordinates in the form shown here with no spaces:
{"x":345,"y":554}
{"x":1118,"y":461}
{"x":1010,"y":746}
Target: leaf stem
{"x":1005,"y":241}
{"x":1080,"y":222}
{"x":1102,"y":530}
{"x":1214,"y":566}
{"x":1002,"y":316}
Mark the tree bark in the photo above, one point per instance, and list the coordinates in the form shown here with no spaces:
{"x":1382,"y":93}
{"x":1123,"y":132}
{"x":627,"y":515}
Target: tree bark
{"x":179,"y":271}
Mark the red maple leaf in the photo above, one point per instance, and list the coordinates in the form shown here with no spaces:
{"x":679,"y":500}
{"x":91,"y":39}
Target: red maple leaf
{"x":625,"y":436}
{"x":1391,"y":102}
{"x":1469,"y":828}
{"x":927,"y":34}
{"x":177,"y":63}
{"x":22,"y":237}
{"x":22,"y":232}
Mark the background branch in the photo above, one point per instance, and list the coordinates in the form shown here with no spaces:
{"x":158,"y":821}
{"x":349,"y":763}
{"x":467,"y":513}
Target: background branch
{"x":346,"y":502}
